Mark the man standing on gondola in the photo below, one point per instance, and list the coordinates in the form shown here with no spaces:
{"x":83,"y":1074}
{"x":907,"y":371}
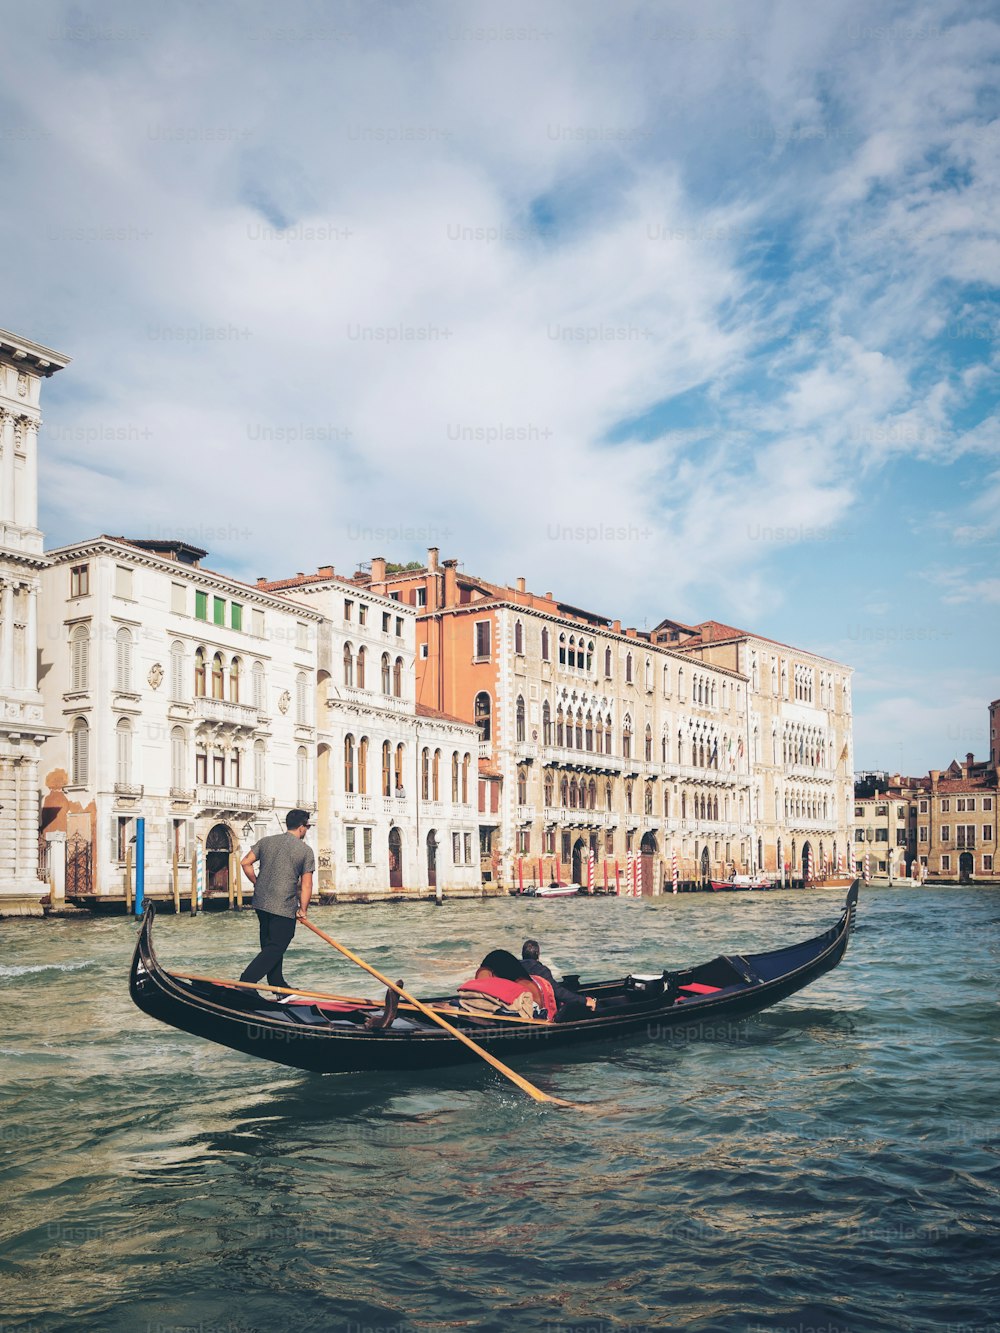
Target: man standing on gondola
{"x":281,"y":870}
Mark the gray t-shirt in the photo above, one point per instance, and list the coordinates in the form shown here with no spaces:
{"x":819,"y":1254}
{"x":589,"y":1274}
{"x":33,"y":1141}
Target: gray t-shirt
{"x":282,"y":860}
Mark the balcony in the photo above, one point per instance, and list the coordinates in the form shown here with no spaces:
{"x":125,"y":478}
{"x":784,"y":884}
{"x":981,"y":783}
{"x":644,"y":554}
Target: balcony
{"x":223,"y":712}
{"x":357,"y":803}
{"x":485,"y":749}
{"x":127,"y":791}
{"x":236,"y":799}
{"x":368,"y":699}
{"x":585,"y":759}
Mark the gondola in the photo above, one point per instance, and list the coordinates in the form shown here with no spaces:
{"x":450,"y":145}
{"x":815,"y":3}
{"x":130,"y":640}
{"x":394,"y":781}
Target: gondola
{"x":344,"y":1037}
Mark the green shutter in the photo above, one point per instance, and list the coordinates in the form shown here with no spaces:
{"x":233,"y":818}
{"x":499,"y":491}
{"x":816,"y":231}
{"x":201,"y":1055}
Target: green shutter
{"x":201,"y":605}
{"x":236,"y":612}
{"x":219,"y":610}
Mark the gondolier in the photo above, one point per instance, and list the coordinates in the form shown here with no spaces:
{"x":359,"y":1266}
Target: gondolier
{"x":281,"y":870}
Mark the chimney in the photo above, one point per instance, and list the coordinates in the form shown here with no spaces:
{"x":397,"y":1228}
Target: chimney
{"x":520,"y":585}
{"x":548,"y":597}
{"x":326,"y":571}
{"x":432,"y":558}
{"x":261,"y":582}
{"x":378,"y":569}
{"x":616,"y":626}
{"x":630,"y":632}
{"x":450,"y":582}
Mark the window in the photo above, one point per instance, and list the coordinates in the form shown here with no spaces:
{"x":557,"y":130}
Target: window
{"x":235,"y":615}
{"x":945,"y":805}
{"x":627,"y":738}
{"x":218,"y":610}
{"x":987,"y":863}
{"x":302,"y":775}
{"x":467,"y":841}
{"x":482,"y":648}
{"x":946,"y":833}
{"x":259,"y":774}
{"x":178,"y":758}
{"x":362,"y":614}
{"x":80,"y":753}
{"x":348,"y":665}
{"x":397,"y":678}
{"x":385,"y":622}
{"x":649,"y":743}
{"x":454,"y":778}
{"x":466,"y":762}
{"x":425,"y":775}
{"x":366,"y":842}
{"x":234,"y":680}
{"x":923,"y":807}
{"x":348,"y":609}
{"x":199,"y":673}
{"x":218,"y":679}
{"x":259,"y":687}
{"x":423,"y":652}
{"x":361,"y":668}
{"x":349,"y":834}
{"x":177,"y":691}
{"x":123,"y":764}
{"x":398,"y":775}
{"x":518,"y":638}
{"x":348,"y":763}
{"x":80,"y":659}
{"x":628,"y":668}
{"x":178,"y":599}
{"x":987,"y":802}
{"x":522,"y":786}
{"x":123,"y":582}
{"x":363,"y":766}
{"x":607,"y":663}
{"x":79,"y":581}
{"x":421,"y":599}
{"x":520,"y":717}
{"x":201,"y":605}
{"x":123,"y":660}
{"x":302,"y":699}
{"x":546,"y":650}
{"x":987,"y":833}
{"x":945,"y":862}
{"x":456,"y":848}
{"x":524,"y":841}
{"x":436,"y":777}
{"x":922,"y":833}
{"x":399,"y":627}
{"x":386,"y":674}
{"x":257,"y":623}
{"x":881,"y":835}
{"x":965,"y":835}
{"x":482,"y":715}
{"x":200,"y":767}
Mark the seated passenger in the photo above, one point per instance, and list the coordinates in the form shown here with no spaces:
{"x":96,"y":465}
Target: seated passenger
{"x":502,"y":981}
{"x":571,"y":1005}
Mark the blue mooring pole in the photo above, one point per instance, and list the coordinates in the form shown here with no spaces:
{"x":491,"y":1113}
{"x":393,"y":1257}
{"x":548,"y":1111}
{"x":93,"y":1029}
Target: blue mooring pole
{"x":140,"y":864}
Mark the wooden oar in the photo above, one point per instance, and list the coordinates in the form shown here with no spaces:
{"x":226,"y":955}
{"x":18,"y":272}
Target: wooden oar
{"x":435,"y":1017}
{"x":342,"y":999}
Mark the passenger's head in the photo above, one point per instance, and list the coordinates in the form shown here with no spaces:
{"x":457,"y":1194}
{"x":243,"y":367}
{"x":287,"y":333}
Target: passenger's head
{"x":500,"y":963}
{"x":530,"y":951}
{"x":295,"y":820}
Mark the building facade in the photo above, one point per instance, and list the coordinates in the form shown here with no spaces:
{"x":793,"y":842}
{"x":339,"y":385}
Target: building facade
{"x":396,"y":782}
{"x":601,"y":754}
{"x":800,"y":739}
{"x":23,"y":367}
{"x":182,"y":696}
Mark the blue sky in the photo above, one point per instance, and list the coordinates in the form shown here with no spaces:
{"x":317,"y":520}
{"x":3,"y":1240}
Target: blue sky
{"x":724,"y":279}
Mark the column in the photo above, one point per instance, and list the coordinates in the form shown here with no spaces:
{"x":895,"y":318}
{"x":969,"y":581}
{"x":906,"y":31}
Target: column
{"x":26,"y":497}
{"x":7,"y":467}
{"x":7,"y":635}
{"x":31,"y":641}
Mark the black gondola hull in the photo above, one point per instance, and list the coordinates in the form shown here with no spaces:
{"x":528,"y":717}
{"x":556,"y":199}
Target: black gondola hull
{"x":275,"y":1032}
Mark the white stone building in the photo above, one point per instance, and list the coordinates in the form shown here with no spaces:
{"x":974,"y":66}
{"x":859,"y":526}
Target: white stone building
{"x":183,"y":696}
{"x":23,"y":367}
{"x":396,"y":783}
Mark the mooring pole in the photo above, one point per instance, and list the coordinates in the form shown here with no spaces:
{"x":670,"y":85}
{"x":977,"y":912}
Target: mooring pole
{"x":140,"y":864}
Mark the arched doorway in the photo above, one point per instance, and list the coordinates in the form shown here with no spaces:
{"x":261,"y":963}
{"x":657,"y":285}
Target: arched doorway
{"x":432,"y":847}
{"x":965,"y":865}
{"x":218,"y":846}
{"x":706,"y":867}
{"x":647,"y":850}
{"x":805,"y":865}
{"x":579,"y":852}
{"x":395,"y":858}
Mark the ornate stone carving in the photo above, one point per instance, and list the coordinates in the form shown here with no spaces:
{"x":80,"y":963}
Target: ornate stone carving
{"x":155,"y":676}
{"x":285,"y":701}
{"x":22,"y":385}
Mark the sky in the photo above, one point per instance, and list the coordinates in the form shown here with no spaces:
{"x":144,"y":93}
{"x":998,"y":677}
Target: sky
{"x":673,"y":309}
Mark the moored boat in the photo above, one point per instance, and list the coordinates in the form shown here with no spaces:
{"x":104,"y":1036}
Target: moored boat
{"x":332,"y":1034}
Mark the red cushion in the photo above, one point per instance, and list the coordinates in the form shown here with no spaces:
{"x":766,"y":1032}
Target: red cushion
{"x":696,"y":988}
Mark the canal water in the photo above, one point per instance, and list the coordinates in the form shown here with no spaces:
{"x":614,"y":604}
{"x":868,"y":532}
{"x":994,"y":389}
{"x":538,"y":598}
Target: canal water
{"x":829,"y":1165}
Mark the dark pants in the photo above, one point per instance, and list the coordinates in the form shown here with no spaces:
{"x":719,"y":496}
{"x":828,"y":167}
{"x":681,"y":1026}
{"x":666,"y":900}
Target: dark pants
{"x":275,"y":936}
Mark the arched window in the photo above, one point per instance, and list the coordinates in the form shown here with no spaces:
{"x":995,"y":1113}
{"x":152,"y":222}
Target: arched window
{"x":629,"y":785}
{"x":218,"y":677}
{"x":454,"y":778}
{"x":564,"y":791}
{"x":363,"y":765}
{"x":178,"y":759}
{"x":546,"y":723}
{"x":649,"y":676}
{"x":592,"y":794}
{"x":519,"y":717}
{"x":398,"y":775}
{"x":425,"y":774}
{"x":259,"y":771}
{"x":177,"y":691}
{"x":607,"y":735}
{"x":481,"y":713}
{"x":522,"y":786}
{"x":560,"y":730}
{"x":599,"y":735}
{"x":648,"y":799}
{"x":80,"y":659}
{"x":259,"y":687}
{"x":573,"y":794}
{"x":397,"y":678}
{"x":302,"y":775}
{"x":627,"y":737}
{"x":348,"y":763}
{"x":579,"y":729}
{"x":348,"y":664}
{"x":80,"y":753}
{"x":518,"y":637}
{"x":302,"y":699}
{"x":649,"y":744}
{"x":466,"y":762}
{"x":666,"y":680}
{"x":562,"y":649}
{"x":607,"y":795}
{"x":235,"y":667}
{"x":360,"y":674}
{"x":386,"y":768}
{"x":386,"y":673}
{"x":607,"y":662}
{"x":628,"y":668}
{"x":199,"y":673}
{"x":436,"y":777}
{"x":549,"y":786}
{"x":123,"y":660}
{"x":588,"y":731}
{"x":545,"y":644}
{"x":123,"y":765}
